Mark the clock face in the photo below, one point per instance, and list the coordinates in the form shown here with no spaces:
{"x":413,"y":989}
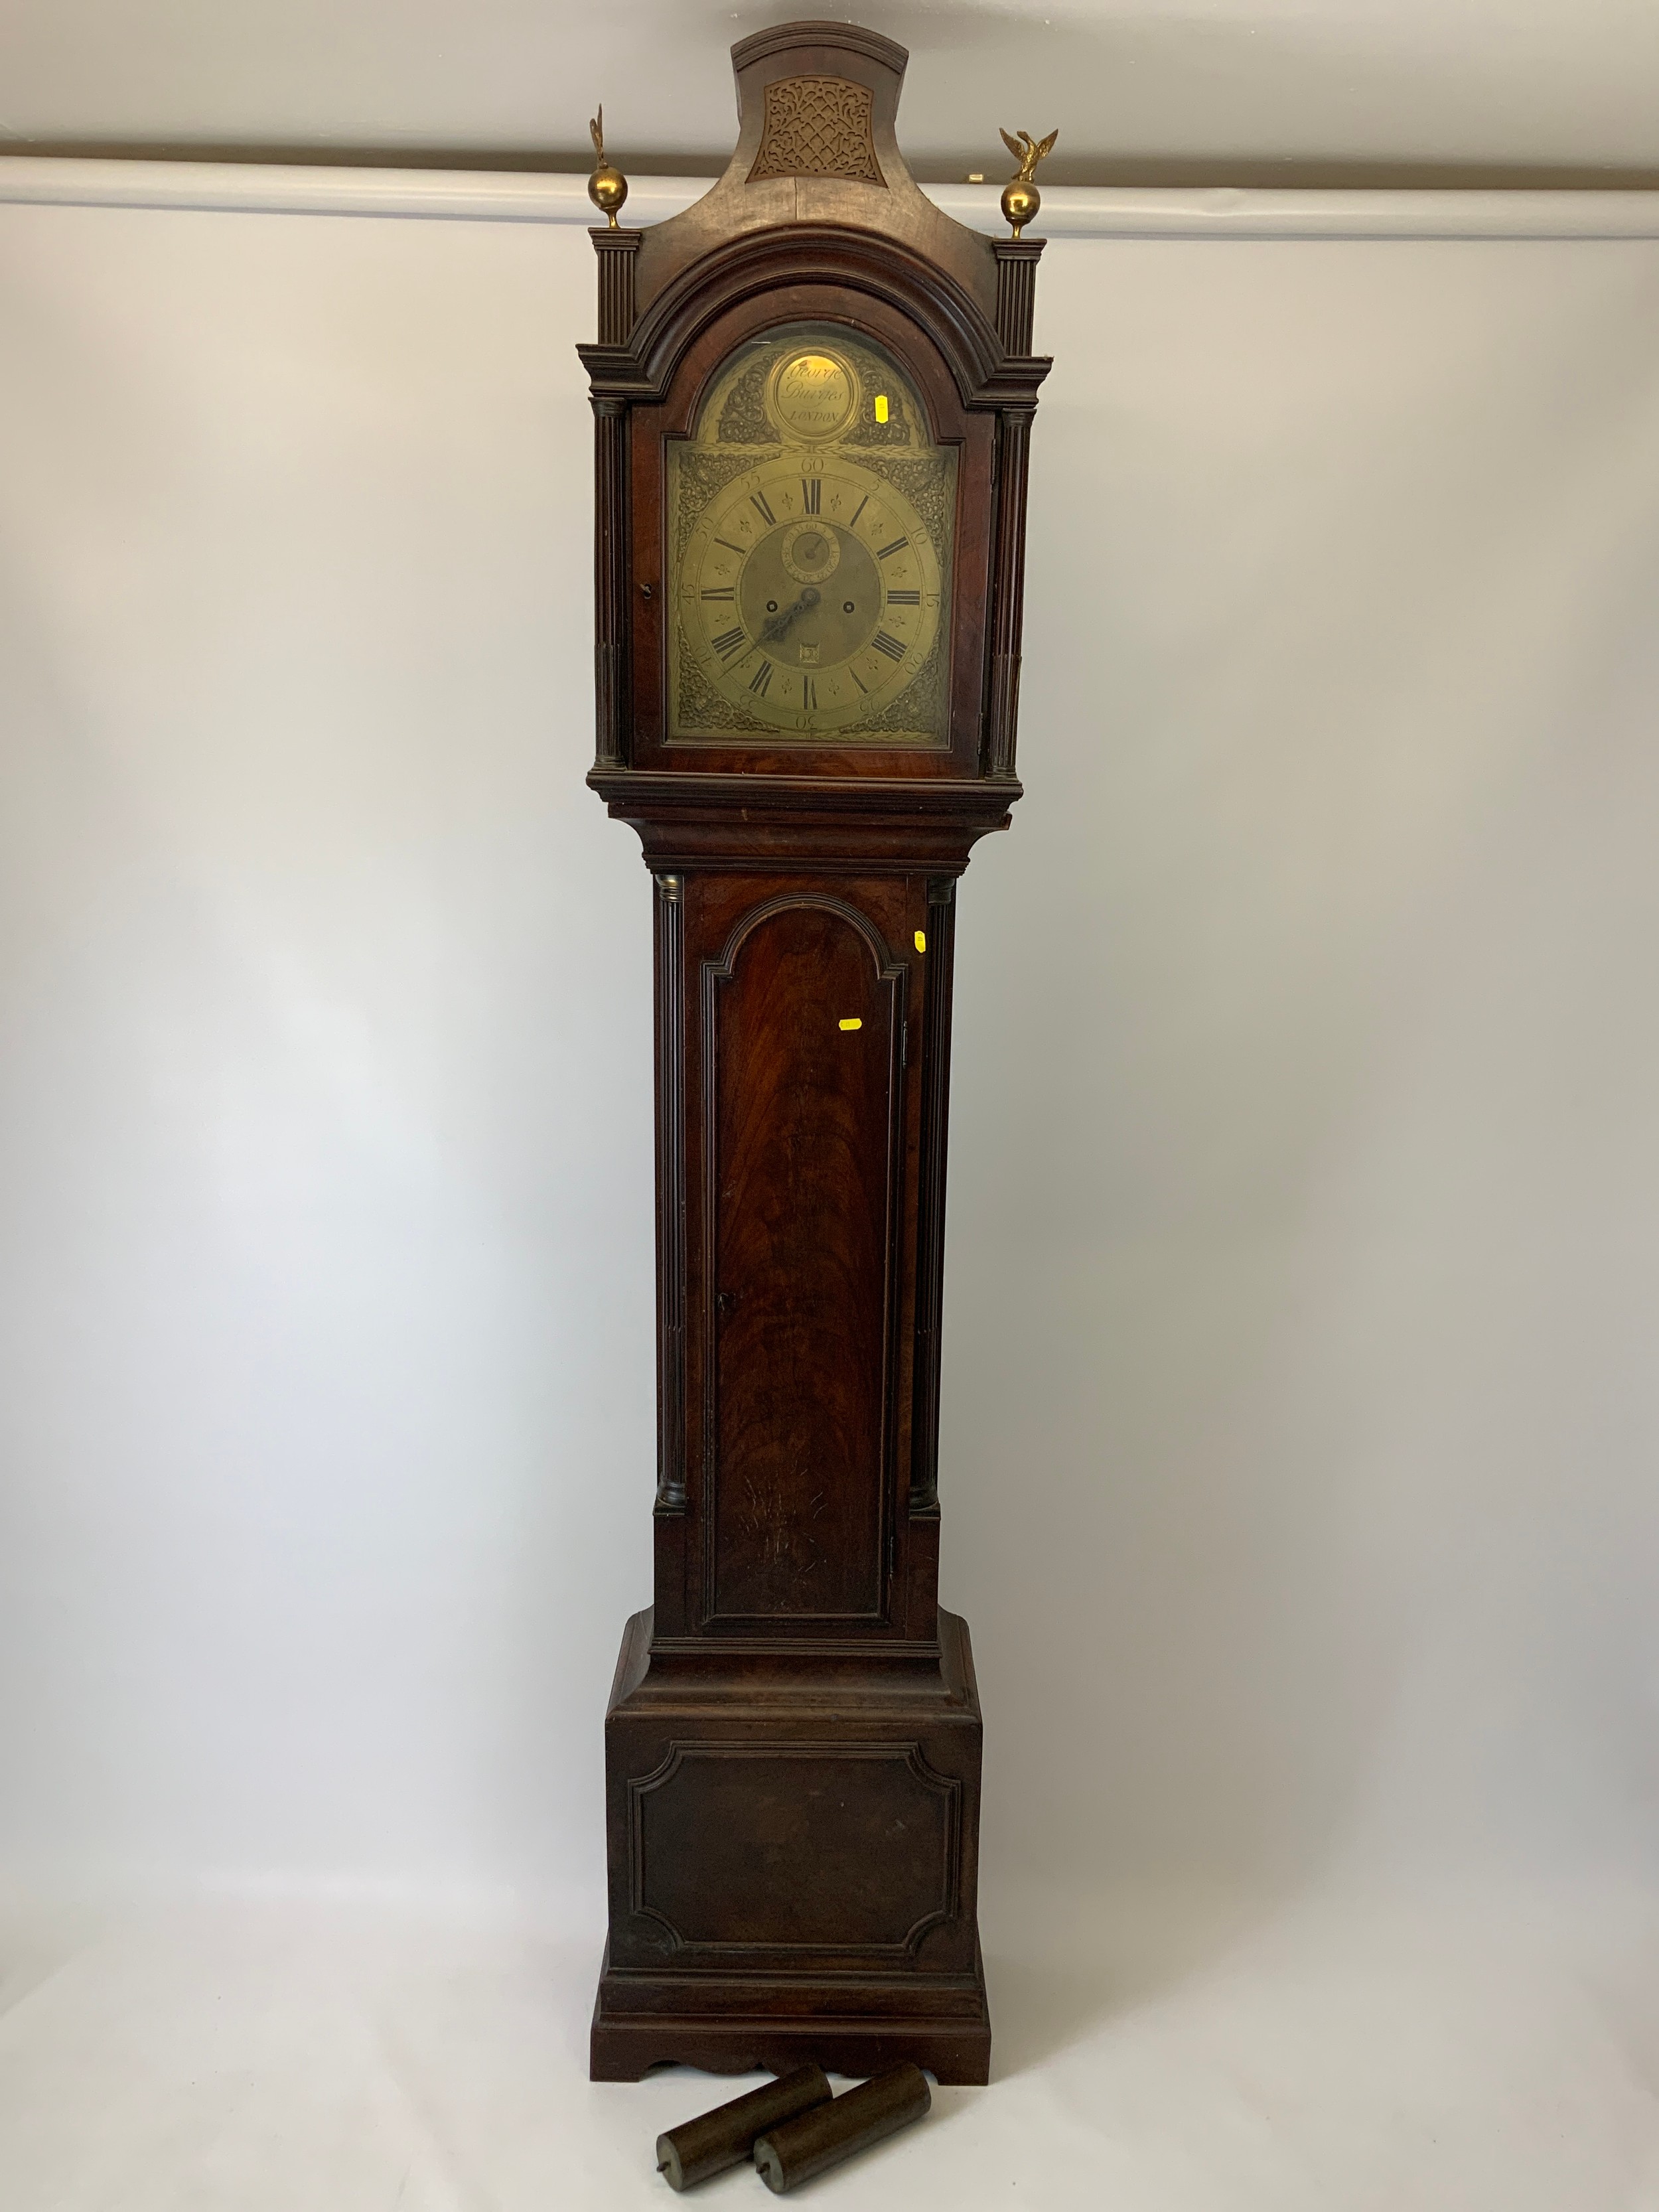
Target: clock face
{"x":810,"y":524}
{"x":810,"y":593}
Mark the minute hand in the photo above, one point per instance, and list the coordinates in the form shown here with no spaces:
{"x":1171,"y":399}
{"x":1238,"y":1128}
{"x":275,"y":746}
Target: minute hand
{"x":774,"y":626}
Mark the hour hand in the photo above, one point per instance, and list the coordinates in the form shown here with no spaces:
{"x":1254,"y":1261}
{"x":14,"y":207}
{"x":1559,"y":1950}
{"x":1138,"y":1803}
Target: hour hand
{"x":774,"y":626}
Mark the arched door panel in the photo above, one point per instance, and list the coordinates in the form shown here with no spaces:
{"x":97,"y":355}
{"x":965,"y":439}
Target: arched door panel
{"x":802,"y":1048}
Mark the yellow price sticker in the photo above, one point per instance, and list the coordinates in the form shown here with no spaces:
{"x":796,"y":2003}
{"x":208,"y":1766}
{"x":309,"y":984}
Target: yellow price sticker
{"x":853,"y":1022}
{"x":921,"y":940}
{"x":881,"y":407}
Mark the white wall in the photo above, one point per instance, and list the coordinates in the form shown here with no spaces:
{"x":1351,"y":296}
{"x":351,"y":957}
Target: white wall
{"x":1301,"y":1397}
{"x":324,"y":1129}
{"x":1306,"y":1257}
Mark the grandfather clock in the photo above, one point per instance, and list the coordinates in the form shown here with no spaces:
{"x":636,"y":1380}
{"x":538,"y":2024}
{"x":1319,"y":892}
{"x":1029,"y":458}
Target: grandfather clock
{"x":813,"y":393}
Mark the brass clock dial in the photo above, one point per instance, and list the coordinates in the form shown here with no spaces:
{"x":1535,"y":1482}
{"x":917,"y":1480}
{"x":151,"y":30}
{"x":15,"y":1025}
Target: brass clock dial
{"x":810,"y":593}
{"x":811,"y":548}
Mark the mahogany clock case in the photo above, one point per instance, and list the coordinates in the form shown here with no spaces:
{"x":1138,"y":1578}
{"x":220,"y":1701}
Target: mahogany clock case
{"x":793,"y":1746}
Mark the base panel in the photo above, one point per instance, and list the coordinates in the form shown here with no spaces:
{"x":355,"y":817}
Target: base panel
{"x":793,"y":1843}
{"x":624,"y":2048}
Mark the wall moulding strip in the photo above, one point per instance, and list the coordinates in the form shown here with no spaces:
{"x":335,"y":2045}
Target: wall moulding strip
{"x":1068,"y":210}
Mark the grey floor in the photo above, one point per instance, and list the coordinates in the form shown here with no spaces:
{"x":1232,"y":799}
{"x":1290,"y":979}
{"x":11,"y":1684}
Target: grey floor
{"x":1181,"y":2055}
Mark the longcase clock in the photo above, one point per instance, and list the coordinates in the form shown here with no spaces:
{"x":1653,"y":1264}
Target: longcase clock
{"x":813,"y":393}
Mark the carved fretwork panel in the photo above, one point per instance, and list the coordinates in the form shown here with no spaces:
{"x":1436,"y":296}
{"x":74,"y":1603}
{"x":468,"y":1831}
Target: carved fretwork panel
{"x":817,"y":126}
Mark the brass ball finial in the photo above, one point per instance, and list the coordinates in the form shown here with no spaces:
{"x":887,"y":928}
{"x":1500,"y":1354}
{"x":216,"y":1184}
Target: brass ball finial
{"x":1020,"y":198}
{"x":607,"y":187}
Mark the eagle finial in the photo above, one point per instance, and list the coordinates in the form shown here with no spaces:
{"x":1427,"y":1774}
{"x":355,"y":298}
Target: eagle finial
{"x":1020,"y":196}
{"x":607,"y":187}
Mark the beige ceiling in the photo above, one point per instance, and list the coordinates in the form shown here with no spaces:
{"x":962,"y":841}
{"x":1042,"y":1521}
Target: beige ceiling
{"x":1135,"y":85}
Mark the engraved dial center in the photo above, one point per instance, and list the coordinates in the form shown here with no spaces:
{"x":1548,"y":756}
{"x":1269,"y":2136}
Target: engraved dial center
{"x":837,"y":594}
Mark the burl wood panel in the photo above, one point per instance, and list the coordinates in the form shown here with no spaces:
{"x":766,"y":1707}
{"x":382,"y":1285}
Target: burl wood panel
{"x":799,"y":1192}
